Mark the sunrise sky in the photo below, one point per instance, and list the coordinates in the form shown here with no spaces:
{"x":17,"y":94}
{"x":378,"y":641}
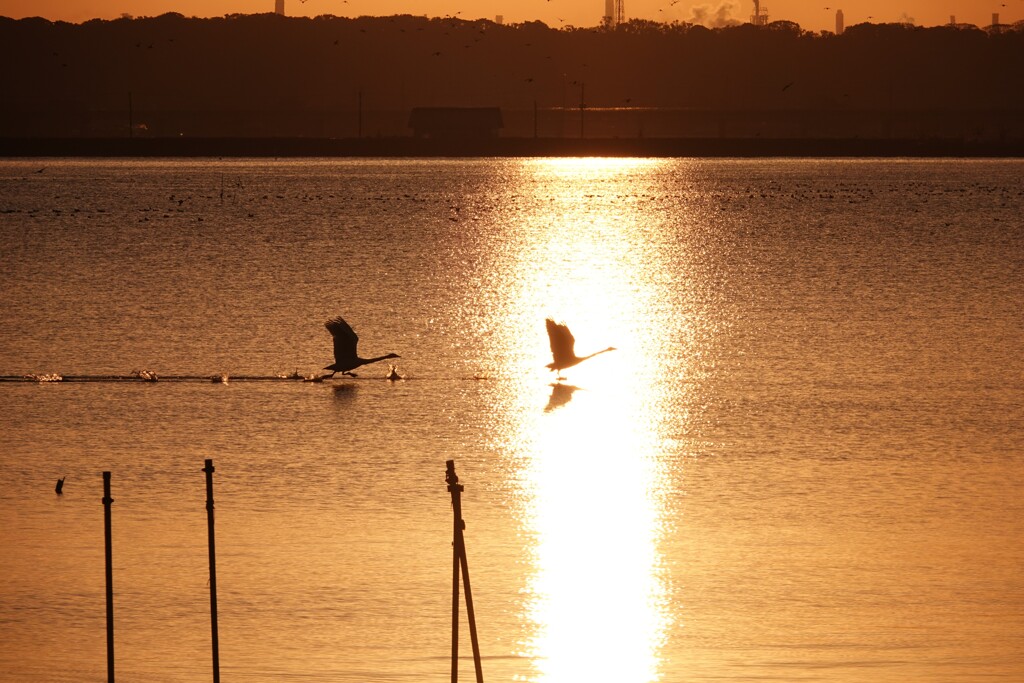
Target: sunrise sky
{"x":814,"y":15}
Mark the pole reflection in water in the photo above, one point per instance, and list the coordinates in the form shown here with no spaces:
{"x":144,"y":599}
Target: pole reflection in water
{"x":587,"y":451}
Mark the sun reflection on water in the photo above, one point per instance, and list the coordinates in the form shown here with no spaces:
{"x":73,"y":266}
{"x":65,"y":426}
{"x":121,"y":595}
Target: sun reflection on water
{"x":586,"y":450}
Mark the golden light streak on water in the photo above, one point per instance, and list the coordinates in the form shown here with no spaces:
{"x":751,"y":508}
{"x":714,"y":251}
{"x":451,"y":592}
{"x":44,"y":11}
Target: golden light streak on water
{"x":593,"y":486}
{"x":808,"y":442}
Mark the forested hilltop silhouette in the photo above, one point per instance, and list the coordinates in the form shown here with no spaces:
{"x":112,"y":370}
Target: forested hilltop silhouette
{"x":275,"y":76}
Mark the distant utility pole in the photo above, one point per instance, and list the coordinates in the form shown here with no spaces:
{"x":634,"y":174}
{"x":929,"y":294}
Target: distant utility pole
{"x":583,"y":105}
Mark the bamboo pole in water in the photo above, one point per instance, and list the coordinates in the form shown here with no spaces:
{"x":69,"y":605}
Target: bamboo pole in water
{"x":107,"y":500}
{"x":460,"y":562}
{"x":452,"y":479}
{"x":469,"y":611}
{"x":213,"y":569}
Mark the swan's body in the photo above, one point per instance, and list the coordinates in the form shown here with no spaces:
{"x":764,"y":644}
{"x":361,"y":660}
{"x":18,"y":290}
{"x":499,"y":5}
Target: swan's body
{"x":563,"y":347}
{"x":345,"y":357}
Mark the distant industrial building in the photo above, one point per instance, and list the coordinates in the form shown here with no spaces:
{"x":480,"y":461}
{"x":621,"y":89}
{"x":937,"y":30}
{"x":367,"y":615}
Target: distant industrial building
{"x":760,"y":15}
{"x":614,"y":13}
{"x":839,"y":22}
{"x":279,"y":7}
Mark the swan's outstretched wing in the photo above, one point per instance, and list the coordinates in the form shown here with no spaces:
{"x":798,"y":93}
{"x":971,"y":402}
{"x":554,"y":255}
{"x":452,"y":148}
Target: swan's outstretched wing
{"x":345,"y":340}
{"x":563,"y":345}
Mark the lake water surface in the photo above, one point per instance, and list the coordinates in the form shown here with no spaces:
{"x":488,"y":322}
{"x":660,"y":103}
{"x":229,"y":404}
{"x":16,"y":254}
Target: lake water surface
{"x":803,"y":462}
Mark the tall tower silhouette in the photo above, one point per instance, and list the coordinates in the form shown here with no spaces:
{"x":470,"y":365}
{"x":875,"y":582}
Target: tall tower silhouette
{"x":839,"y":22}
{"x":279,"y":7}
{"x":614,"y":12}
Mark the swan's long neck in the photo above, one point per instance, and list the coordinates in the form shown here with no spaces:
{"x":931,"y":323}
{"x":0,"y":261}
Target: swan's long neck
{"x":597,"y":353}
{"x":367,"y":361}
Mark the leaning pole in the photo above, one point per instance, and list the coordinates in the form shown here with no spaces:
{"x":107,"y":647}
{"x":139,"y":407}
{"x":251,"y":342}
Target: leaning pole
{"x":460,"y":563}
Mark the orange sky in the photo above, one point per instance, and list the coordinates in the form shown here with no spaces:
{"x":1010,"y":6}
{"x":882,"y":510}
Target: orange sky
{"x":810,"y":14}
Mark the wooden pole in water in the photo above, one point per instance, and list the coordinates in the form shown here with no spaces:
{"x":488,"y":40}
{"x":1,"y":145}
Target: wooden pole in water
{"x":213,"y":569}
{"x":459,"y":550}
{"x":107,"y":500}
{"x":454,"y":488}
{"x":469,"y":611}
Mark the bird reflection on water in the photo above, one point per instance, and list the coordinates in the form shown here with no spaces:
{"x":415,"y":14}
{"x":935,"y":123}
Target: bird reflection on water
{"x":345,"y":391}
{"x":560,"y":395}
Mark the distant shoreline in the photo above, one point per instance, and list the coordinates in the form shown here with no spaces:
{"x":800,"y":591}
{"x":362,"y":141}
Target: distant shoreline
{"x":400,"y":147}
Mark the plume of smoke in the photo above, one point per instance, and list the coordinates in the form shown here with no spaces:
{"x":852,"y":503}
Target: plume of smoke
{"x":714,"y":17}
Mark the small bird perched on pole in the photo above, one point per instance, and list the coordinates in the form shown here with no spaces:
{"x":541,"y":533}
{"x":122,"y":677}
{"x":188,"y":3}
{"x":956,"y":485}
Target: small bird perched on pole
{"x":345,"y":357}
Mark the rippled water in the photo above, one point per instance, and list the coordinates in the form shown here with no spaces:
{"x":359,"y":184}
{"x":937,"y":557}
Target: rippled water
{"x":802,"y":462}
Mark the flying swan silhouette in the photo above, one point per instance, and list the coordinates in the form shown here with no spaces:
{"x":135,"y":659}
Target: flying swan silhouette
{"x":345,"y":357}
{"x":563,"y":348}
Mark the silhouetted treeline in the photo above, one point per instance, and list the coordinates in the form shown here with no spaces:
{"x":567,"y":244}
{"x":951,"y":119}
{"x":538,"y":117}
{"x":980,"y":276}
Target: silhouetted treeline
{"x":267,"y":75}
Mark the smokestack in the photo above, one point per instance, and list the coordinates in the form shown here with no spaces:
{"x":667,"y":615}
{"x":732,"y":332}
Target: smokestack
{"x":614,"y":12}
{"x":760,"y":15}
{"x":839,"y":22}
{"x":279,"y":7}
{"x":995,"y":18}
